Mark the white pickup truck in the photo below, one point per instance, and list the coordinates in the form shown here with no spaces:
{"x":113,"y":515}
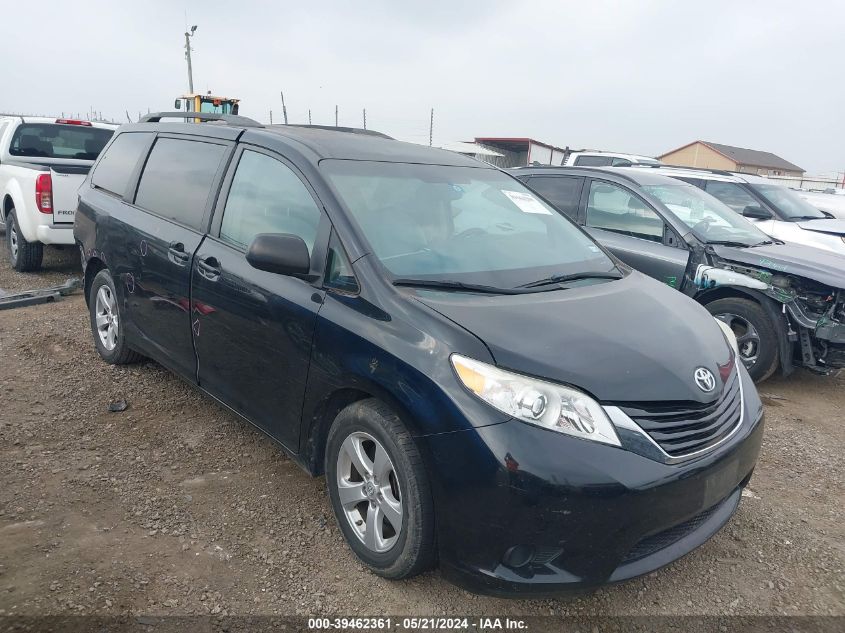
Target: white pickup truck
{"x":42,"y":164}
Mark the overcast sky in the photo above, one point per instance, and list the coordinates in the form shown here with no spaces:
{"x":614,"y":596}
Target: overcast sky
{"x":637,"y":76}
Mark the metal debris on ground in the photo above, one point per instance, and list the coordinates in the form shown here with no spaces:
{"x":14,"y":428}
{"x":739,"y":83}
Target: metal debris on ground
{"x":35,"y":297}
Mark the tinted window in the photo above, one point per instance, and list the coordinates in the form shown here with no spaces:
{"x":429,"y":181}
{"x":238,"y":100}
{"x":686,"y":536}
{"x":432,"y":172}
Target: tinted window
{"x":114,"y":170}
{"x":267,"y":197}
{"x":731,"y":194}
{"x":177,"y":179}
{"x":55,"y":140}
{"x":594,"y":161}
{"x":616,"y":209}
{"x":562,"y":191}
{"x":621,"y":162}
{"x":338,"y":269}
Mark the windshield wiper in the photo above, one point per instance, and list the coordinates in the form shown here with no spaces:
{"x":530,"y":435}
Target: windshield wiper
{"x":558,"y":279}
{"x":808,"y":217}
{"x":730,"y":243}
{"x":448,"y":284}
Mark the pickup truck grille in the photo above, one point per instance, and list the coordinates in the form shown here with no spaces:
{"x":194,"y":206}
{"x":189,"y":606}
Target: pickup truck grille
{"x":681,"y":430}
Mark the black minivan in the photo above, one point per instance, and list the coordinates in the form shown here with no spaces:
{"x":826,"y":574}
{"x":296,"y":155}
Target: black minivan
{"x":481,"y":383}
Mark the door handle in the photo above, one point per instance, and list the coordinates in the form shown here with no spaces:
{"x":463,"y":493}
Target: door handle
{"x":176,"y":253}
{"x":209,"y":268}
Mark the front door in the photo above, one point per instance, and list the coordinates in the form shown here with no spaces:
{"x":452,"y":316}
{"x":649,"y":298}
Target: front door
{"x":628,"y":227}
{"x":168,"y":224}
{"x":253,"y":329}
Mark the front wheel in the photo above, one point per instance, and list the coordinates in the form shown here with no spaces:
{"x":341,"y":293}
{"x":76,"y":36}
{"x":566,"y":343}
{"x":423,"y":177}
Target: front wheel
{"x":379,"y":490}
{"x":756,"y":336}
{"x":23,"y":255}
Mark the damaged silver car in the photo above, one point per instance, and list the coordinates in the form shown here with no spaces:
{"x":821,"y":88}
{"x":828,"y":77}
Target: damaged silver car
{"x":785,"y":302}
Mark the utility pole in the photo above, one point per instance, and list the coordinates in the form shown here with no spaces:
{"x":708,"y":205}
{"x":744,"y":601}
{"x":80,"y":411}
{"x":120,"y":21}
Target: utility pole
{"x":309,"y":116}
{"x":284,"y":109}
{"x":365,"y":118}
{"x":335,"y":116}
{"x":271,"y":117}
{"x":431,"y":129}
{"x":188,"y":36}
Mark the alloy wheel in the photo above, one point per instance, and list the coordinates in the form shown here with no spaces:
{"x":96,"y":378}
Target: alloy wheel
{"x":13,"y":238}
{"x":368,"y":490}
{"x":105,"y":311}
{"x":747,"y":337}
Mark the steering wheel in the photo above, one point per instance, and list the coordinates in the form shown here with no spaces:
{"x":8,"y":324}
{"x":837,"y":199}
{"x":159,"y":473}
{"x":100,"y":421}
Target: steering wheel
{"x":703,"y":226}
{"x":470,"y":232}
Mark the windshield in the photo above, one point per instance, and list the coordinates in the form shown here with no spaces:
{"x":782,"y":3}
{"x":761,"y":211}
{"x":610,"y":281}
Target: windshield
{"x":790,"y":204}
{"x":709,"y":219}
{"x":57,"y":140}
{"x":466,"y":224}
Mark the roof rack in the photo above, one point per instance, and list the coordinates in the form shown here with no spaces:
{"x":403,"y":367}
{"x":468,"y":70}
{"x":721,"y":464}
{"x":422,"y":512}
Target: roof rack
{"x":335,"y":128}
{"x":718,"y":172}
{"x":606,"y":170}
{"x":228,"y":119}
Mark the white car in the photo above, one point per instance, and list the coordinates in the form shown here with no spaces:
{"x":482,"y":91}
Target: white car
{"x":595,"y":158}
{"x":833,"y":203}
{"x":43,"y":161}
{"x":776,"y":210}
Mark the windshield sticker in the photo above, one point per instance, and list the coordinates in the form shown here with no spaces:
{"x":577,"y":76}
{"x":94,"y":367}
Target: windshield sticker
{"x":526,"y":202}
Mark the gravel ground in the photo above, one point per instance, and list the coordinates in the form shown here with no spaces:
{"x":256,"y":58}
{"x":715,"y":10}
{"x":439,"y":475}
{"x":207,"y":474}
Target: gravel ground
{"x":175,"y":507}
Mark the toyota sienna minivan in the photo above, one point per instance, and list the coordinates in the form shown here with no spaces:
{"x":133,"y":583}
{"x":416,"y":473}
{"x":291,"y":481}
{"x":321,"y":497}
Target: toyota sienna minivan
{"x":483,"y":386}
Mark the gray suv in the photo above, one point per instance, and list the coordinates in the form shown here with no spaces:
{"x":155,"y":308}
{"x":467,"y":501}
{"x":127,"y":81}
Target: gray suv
{"x":784,"y":302}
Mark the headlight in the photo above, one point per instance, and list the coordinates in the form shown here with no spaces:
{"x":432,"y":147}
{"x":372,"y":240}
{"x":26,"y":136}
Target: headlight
{"x":729,"y":334}
{"x":545,"y":404}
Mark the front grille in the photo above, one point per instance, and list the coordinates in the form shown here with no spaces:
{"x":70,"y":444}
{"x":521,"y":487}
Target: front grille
{"x":664,"y":539}
{"x":681,"y":430}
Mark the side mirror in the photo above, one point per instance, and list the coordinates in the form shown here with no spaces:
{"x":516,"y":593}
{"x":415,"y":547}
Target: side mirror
{"x":235,"y":108}
{"x":177,"y":104}
{"x":279,"y":253}
{"x":756,"y":213}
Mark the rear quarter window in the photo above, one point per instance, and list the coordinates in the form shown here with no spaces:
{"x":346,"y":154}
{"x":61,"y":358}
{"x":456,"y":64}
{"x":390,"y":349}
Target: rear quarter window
{"x":115,"y":168}
{"x":177,"y":179}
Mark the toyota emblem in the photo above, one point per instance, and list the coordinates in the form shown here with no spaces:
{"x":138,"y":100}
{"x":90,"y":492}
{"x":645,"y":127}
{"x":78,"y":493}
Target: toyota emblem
{"x":705,"y":379}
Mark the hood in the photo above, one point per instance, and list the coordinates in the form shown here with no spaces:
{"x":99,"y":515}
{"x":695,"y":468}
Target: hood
{"x":833,"y":227}
{"x":631,"y":340}
{"x":825,"y":267}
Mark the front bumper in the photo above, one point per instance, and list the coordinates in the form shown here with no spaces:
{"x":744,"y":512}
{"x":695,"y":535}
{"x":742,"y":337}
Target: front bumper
{"x":523,"y":511}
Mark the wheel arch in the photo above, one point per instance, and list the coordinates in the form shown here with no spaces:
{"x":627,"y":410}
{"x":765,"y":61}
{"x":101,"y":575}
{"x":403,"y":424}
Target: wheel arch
{"x":772,"y":308}
{"x":318,"y":423}
{"x":93,"y":266}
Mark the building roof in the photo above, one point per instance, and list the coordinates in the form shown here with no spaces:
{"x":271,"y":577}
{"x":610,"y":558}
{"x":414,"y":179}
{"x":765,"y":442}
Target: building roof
{"x":513,"y":144}
{"x":469,"y":148}
{"x":743,"y":156}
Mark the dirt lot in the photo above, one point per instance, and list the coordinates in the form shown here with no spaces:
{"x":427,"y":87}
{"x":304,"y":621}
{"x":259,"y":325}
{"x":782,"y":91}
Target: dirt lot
{"x":175,"y":507}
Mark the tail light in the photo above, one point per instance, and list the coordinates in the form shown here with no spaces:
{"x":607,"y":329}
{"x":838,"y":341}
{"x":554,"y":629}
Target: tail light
{"x":74,"y":122}
{"x":44,"y":193}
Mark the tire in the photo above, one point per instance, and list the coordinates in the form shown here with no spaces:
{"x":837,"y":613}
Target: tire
{"x":23,"y":256}
{"x":372,"y":426}
{"x":111,"y":346}
{"x":758,"y":344}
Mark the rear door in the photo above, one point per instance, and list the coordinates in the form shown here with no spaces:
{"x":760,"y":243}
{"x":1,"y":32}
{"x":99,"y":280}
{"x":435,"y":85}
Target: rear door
{"x":253,"y":329}
{"x":176,"y":190}
{"x":633,"y":231}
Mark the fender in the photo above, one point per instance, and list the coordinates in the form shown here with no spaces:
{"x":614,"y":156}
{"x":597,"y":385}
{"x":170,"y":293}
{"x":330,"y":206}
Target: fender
{"x":25,"y":223}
